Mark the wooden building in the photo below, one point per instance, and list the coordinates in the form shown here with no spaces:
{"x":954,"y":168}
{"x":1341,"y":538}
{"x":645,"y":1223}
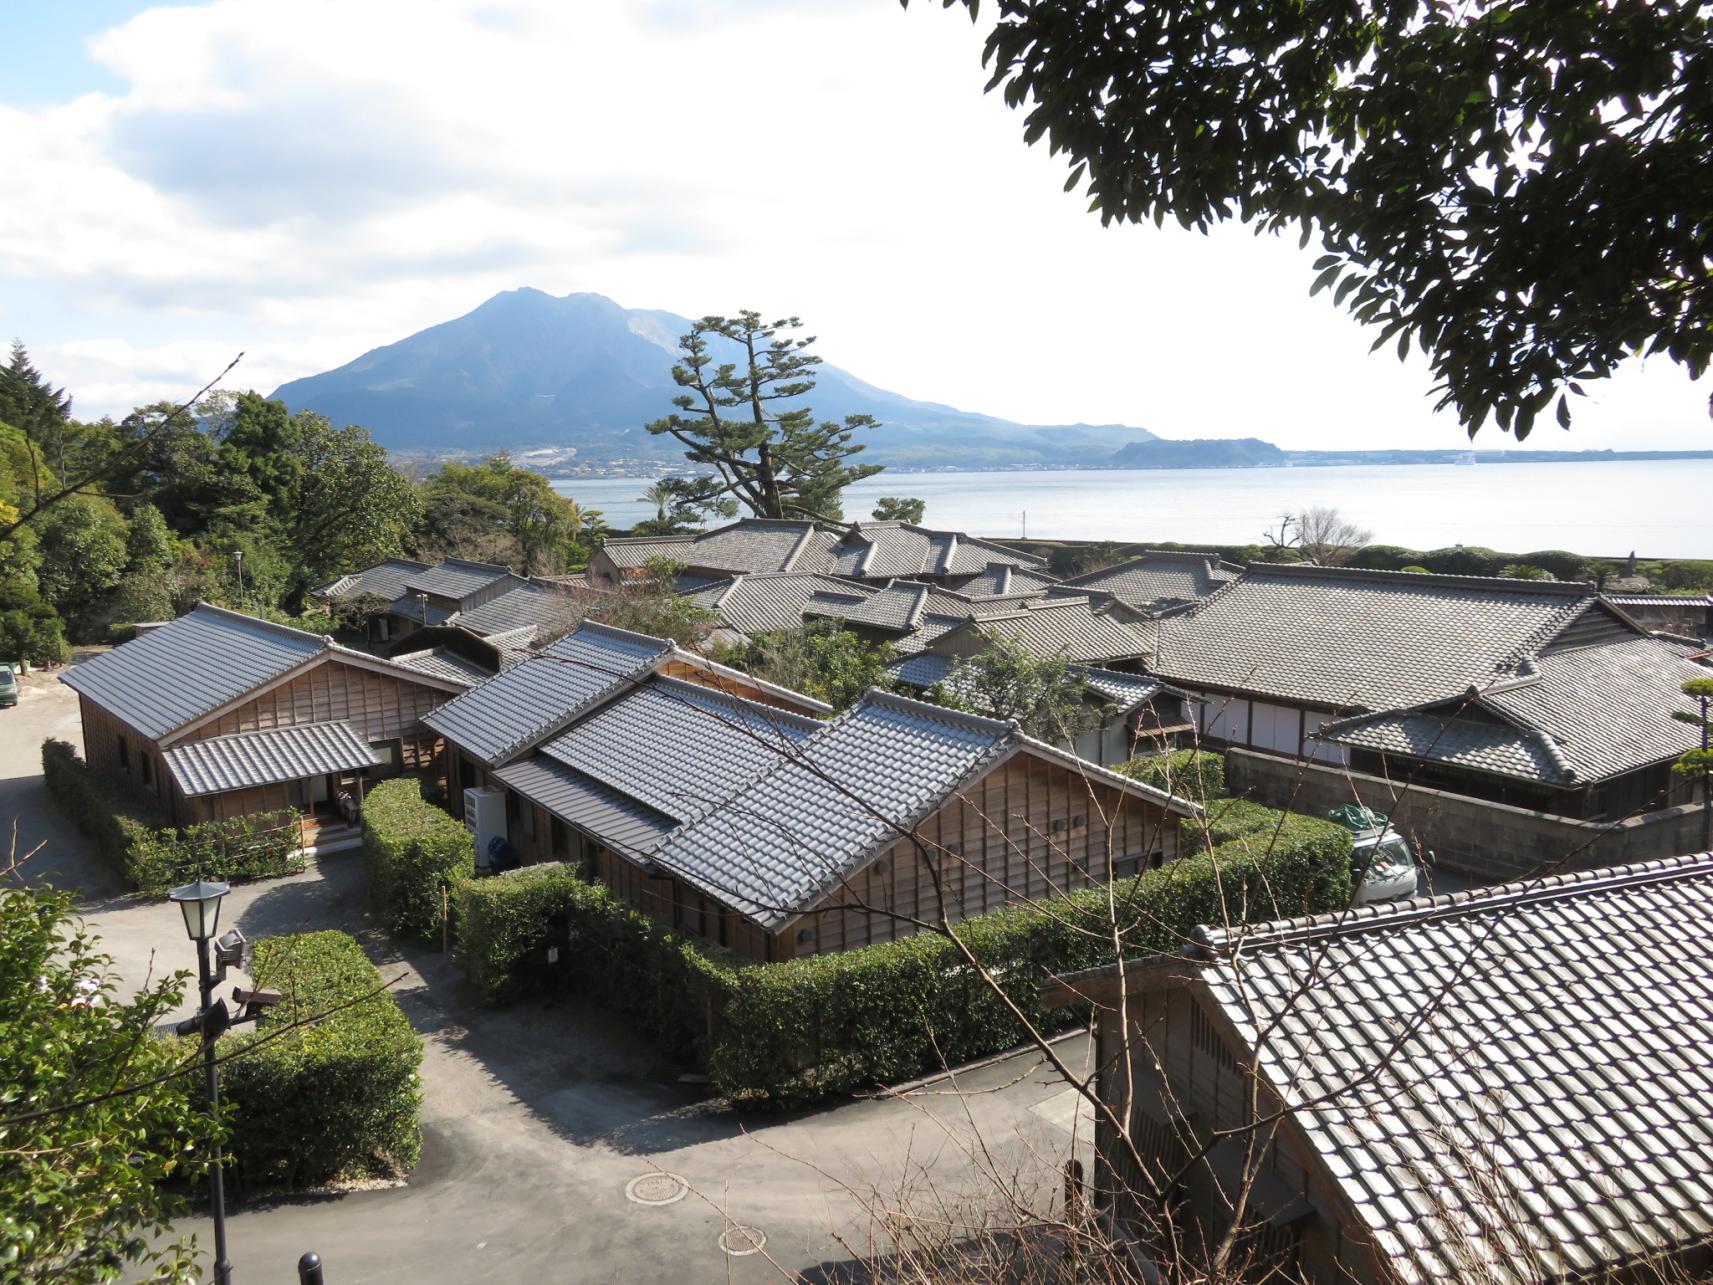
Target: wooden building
{"x":1536,"y":694}
{"x":1497,"y":1085}
{"x":219,"y":714}
{"x":707,"y":799}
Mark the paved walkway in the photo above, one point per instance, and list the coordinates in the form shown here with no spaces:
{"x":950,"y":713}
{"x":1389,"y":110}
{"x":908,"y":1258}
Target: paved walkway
{"x":538,"y":1117}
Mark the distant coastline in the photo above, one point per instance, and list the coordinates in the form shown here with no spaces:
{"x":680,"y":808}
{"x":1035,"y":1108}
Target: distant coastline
{"x":1239,"y":458}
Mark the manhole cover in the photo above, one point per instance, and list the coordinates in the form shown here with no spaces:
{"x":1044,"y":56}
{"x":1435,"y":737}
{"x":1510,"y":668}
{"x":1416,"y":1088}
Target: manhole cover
{"x":740,"y":1241}
{"x":656,"y":1189}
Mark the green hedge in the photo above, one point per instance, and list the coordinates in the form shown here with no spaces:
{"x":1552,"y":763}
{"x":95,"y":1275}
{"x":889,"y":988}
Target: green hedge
{"x":1229,"y":820}
{"x":1189,"y":774}
{"x":671,"y":985}
{"x":262,"y":845}
{"x":791,"y":1033}
{"x":797,"y":1031}
{"x":415,"y":852}
{"x":132,"y":835}
{"x":104,"y":811}
{"x":338,"y":1098}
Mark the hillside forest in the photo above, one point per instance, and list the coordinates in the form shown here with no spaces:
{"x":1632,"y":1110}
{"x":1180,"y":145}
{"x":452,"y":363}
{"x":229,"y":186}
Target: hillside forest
{"x":234,"y":501}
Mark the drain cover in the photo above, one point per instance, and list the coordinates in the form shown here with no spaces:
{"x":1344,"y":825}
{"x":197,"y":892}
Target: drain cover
{"x":656,"y":1189}
{"x":740,"y":1241}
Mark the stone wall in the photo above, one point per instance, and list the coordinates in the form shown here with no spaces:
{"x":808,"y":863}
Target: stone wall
{"x":1472,"y":836}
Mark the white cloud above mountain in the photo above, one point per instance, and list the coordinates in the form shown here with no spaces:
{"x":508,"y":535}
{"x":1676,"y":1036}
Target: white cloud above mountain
{"x":304,"y":179}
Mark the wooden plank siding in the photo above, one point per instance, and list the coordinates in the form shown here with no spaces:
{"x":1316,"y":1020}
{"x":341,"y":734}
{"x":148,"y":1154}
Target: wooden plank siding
{"x":1028,"y":829}
{"x":1025,"y":831}
{"x":730,"y":684}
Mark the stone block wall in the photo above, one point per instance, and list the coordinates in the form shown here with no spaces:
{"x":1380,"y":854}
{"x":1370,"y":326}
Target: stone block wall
{"x":1489,"y":841}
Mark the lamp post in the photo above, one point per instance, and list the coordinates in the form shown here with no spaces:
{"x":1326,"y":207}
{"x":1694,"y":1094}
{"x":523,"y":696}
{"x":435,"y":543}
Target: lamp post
{"x":238,"y":558}
{"x":200,"y":903}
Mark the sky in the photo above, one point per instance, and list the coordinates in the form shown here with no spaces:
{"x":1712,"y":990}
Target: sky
{"x":304,"y":180}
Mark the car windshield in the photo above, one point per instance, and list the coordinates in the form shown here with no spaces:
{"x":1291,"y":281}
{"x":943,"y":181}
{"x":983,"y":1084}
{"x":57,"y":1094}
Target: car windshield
{"x":1386,"y":859}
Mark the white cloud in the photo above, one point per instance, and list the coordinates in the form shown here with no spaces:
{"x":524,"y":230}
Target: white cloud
{"x":305,"y":179}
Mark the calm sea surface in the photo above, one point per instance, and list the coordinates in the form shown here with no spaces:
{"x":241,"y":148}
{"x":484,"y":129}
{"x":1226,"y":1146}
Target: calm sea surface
{"x":1659,"y":508}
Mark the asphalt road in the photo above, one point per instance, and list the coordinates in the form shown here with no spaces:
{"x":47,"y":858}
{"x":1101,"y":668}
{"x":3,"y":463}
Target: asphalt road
{"x":537,"y":1118}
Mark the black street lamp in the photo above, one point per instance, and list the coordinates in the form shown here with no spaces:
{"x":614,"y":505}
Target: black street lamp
{"x":200,"y":903}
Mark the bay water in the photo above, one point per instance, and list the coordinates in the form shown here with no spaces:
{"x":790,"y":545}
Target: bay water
{"x":1657,"y":508}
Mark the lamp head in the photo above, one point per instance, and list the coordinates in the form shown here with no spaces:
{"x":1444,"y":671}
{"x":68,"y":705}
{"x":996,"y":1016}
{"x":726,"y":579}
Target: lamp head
{"x":200,"y":903}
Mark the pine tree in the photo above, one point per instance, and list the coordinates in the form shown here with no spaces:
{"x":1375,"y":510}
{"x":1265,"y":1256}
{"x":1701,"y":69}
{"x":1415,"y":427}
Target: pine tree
{"x":778,"y":462}
{"x":29,"y":403}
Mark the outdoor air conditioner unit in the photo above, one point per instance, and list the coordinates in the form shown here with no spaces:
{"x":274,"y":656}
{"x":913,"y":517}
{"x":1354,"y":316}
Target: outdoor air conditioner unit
{"x":485,"y":818}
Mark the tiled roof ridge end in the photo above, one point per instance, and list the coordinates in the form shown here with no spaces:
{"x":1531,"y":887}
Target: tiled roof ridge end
{"x":1415,"y":910}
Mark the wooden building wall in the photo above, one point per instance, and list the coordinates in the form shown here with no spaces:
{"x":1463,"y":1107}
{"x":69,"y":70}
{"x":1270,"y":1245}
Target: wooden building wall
{"x":103,"y":735}
{"x":731,"y":684}
{"x":1188,"y":1082}
{"x":1028,"y":829}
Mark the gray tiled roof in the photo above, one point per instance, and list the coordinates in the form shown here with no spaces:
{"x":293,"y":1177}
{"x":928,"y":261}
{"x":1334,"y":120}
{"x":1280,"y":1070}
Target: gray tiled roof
{"x":1527,"y":1062}
{"x":420,"y":610}
{"x":1158,"y":576}
{"x":267,"y":757}
{"x":186,"y":668}
{"x":1049,"y":626}
{"x":784,"y":839}
{"x":536,"y":603}
{"x":1621,"y":600}
{"x":1567,"y":715}
{"x":639,"y":550}
{"x":921,"y":669}
{"x":676,"y":746}
{"x":1466,"y":738}
{"x":385,"y":579}
{"x":455,"y":578}
{"x":534,"y":698}
{"x":1002,"y":579}
{"x":793,"y":831}
{"x":765,"y":602}
{"x":621,"y":823}
{"x":1344,"y":638}
{"x":867,"y":550}
{"x":445,"y":663}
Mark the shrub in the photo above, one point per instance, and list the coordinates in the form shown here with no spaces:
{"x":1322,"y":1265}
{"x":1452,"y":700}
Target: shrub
{"x":262,"y":845}
{"x":1681,"y":576}
{"x":672,"y":985}
{"x":338,"y":1098}
{"x":1190,"y":774}
{"x":1415,"y":570}
{"x":1462,"y":560}
{"x":1227,"y":819}
{"x":797,"y":1031}
{"x":102,"y":809}
{"x":1558,"y":564}
{"x":1524,"y":571}
{"x":414,"y":853}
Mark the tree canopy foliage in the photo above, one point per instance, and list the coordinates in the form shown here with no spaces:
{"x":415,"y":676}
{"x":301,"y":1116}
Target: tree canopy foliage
{"x":88,"y":1194}
{"x":1523,"y":190}
{"x":900,"y":508}
{"x":1044,"y":694}
{"x":234,"y":500}
{"x":773,"y":458}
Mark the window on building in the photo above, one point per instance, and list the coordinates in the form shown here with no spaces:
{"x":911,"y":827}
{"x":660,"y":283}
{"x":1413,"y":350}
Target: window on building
{"x":124,"y":755}
{"x":558,"y":837}
{"x":512,"y":808}
{"x":148,"y":767}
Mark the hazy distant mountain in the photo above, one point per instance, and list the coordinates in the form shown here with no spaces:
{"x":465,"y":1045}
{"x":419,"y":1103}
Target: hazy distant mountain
{"x":1201,"y":452}
{"x":528,"y":370}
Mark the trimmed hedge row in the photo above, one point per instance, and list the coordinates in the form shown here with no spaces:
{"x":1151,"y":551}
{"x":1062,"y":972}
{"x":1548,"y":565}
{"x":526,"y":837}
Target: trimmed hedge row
{"x":131,"y":834}
{"x":414,"y":853}
{"x":670,"y":984}
{"x":104,"y":811}
{"x":262,"y":845}
{"x":1190,"y":774}
{"x":790,"y":1033}
{"x":797,"y":1031}
{"x":338,"y":1098}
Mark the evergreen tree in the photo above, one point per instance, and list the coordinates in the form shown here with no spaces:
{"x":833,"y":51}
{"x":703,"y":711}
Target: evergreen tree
{"x":29,"y":403}
{"x":773,"y":458}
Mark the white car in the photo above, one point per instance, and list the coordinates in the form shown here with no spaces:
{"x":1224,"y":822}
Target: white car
{"x":1384,"y":868}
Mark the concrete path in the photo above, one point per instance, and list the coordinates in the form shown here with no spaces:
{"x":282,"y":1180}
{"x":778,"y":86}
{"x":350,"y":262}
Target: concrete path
{"x":539,"y":1117}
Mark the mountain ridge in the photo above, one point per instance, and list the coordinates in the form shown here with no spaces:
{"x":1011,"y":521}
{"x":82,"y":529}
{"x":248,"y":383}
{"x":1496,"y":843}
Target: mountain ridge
{"x":528,"y":370}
